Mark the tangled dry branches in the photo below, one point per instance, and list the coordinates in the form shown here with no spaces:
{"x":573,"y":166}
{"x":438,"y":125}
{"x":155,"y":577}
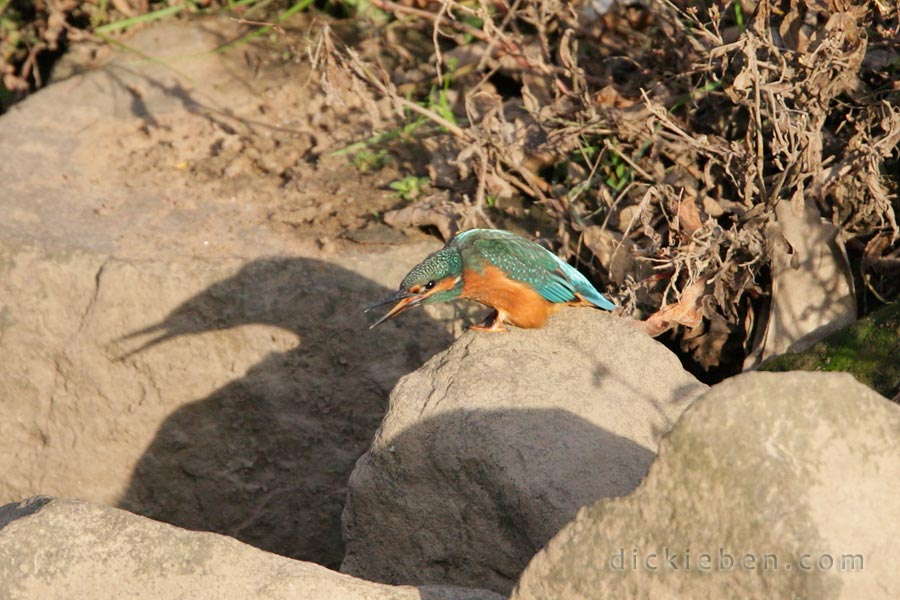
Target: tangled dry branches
{"x":676,"y":149}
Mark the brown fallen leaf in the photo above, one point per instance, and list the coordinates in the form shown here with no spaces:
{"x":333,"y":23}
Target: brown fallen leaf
{"x":687,"y":312}
{"x":707,"y":340}
{"x":442,"y":216}
{"x":812,"y":286}
{"x":609,"y":97}
{"x":689,"y":219}
{"x":614,"y":251}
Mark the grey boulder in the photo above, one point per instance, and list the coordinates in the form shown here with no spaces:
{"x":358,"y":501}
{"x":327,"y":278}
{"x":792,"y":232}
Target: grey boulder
{"x":493,"y":445}
{"x":773,"y":485}
{"x":63,"y":549}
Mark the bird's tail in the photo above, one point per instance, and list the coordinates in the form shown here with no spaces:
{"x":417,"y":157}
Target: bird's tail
{"x":583,"y":288}
{"x":593,"y":297}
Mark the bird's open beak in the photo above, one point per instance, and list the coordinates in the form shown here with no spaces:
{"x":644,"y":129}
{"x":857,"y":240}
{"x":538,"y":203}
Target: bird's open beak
{"x":404,"y":301}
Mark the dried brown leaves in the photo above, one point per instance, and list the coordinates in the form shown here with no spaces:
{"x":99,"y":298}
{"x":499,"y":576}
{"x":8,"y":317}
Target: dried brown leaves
{"x":675,"y":146}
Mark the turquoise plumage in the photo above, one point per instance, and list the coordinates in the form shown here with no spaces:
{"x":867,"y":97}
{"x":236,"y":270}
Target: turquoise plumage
{"x":523,"y":281}
{"x":528,"y":262}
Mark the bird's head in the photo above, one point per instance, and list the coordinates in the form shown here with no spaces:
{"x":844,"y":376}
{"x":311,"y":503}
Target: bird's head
{"x":438,"y":278}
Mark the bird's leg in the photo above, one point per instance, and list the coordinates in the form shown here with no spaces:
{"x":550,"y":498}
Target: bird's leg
{"x":493,"y":323}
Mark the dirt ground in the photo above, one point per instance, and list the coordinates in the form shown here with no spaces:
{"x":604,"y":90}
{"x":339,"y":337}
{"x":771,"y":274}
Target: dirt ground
{"x":250,"y":129}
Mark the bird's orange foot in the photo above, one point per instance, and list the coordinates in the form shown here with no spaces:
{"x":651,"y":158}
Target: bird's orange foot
{"x":493,"y":323}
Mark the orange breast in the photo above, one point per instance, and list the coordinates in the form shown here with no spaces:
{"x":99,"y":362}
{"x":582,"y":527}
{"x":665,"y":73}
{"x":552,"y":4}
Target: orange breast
{"x":524,"y":307}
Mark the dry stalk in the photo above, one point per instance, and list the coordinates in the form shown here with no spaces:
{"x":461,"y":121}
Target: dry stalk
{"x":666,"y":137}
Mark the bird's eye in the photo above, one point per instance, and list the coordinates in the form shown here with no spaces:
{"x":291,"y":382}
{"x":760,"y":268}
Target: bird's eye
{"x":429,"y":285}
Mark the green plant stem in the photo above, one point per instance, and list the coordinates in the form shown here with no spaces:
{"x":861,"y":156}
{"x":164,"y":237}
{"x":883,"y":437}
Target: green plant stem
{"x":281,"y":18}
{"x":380,"y":138}
{"x":145,"y":18}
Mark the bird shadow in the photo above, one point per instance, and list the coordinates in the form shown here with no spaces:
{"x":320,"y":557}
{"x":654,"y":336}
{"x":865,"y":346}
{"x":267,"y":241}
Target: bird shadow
{"x":266,"y":458}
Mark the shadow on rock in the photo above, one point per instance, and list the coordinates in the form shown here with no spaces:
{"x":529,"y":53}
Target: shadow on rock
{"x":491,"y":447}
{"x":266,"y":458}
{"x":502,"y":482}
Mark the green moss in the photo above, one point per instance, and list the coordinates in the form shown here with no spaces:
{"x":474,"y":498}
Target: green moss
{"x":869,"y":350}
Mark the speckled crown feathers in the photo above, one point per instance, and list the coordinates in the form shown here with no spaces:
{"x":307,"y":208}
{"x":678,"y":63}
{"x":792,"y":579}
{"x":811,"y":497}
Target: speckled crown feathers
{"x":437,"y":266}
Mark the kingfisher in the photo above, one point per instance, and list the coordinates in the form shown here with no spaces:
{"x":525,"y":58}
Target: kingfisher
{"x":519,"y":279}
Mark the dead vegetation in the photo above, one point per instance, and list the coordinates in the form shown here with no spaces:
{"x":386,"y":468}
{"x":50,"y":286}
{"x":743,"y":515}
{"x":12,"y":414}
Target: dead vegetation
{"x":728,"y":169}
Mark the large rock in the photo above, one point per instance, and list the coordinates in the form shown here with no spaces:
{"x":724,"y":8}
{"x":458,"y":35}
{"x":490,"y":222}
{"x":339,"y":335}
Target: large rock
{"x":175,"y":339}
{"x":64,"y":549}
{"x":240,"y":405}
{"x":772,"y":485}
{"x":493,"y":445}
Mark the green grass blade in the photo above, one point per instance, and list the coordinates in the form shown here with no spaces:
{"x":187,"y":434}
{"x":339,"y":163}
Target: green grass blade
{"x":147,"y":18}
{"x":380,"y":138}
{"x":281,"y":18}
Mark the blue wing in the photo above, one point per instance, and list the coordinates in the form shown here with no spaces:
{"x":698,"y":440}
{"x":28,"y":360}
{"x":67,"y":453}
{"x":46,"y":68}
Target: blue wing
{"x":530,"y":263}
